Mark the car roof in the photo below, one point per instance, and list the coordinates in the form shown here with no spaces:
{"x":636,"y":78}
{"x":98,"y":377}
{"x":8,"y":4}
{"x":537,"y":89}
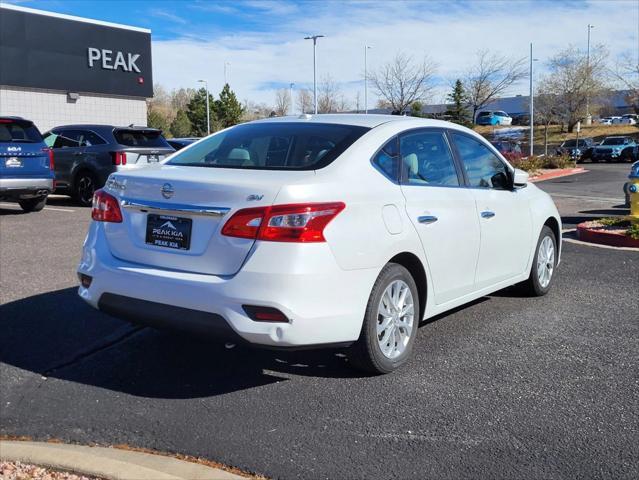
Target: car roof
{"x":97,"y":126}
{"x":370,"y":120}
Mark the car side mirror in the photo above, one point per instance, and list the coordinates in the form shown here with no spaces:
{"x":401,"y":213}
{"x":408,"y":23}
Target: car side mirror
{"x":520,"y":178}
{"x":500,"y":180}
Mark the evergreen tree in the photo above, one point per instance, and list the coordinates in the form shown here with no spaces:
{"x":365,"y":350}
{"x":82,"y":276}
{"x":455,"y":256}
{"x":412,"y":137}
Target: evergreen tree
{"x":155,"y":119}
{"x":181,"y":125}
{"x":416,"y":109}
{"x":196,"y":112}
{"x":228,"y":111}
{"x":458,"y":111}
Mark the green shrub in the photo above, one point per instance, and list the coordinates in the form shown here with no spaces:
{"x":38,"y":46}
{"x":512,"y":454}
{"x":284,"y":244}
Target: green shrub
{"x":533,"y":164}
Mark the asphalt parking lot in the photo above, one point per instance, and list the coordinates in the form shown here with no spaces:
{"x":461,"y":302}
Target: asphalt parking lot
{"x":506,"y":387}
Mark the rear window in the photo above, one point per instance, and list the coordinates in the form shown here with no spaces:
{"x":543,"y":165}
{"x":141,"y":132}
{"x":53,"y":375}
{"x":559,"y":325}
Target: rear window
{"x":613,"y":141}
{"x":18,"y":132}
{"x":140,"y":138}
{"x":272,"y":146}
{"x":485,"y":114}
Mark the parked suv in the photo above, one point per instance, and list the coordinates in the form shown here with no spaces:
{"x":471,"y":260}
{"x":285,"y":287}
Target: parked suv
{"x":87,"y":154}
{"x":581,"y":151}
{"x":509,"y":149}
{"x":26,"y":164}
{"x":493,"y":118}
{"x":614,"y":148}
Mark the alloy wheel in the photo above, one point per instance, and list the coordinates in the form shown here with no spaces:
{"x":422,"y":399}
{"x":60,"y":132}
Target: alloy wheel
{"x":545,"y":261}
{"x":395,"y":319}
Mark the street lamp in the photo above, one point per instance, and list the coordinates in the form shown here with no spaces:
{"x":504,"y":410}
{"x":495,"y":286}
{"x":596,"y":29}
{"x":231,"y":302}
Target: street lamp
{"x":314,"y":38}
{"x":290,"y":94}
{"x":532,"y":101}
{"x":208,"y":115}
{"x":366,"y":48}
{"x":588,"y":117}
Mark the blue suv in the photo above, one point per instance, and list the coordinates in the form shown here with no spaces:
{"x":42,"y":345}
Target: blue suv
{"x":26,"y":164}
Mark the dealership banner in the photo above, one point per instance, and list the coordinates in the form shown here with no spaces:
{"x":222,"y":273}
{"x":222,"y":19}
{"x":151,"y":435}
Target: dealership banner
{"x":53,"y":52}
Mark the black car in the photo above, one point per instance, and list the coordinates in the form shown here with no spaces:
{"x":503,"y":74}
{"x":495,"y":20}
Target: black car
{"x":180,"y":143}
{"x":85,"y":155}
{"x":582,"y":151}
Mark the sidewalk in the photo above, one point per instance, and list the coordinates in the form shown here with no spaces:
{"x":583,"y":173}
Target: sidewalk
{"x":547,"y":174}
{"x":109,"y":463}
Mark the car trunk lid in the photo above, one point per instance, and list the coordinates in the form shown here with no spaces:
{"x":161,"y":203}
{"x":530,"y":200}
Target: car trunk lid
{"x":173,"y":215}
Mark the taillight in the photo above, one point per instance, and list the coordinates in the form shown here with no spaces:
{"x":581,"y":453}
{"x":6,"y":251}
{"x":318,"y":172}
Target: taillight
{"x":264,"y":314}
{"x":51,"y":159}
{"x":119,"y":158}
{"x":283,"y":223}
{"x":105,"y":208}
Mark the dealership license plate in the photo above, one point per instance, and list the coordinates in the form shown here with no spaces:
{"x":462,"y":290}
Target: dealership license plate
{"x":167,"y":231}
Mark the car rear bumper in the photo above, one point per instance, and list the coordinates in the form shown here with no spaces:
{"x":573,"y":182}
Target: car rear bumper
{"x":325,"y":305}
{"x":23,"y":188}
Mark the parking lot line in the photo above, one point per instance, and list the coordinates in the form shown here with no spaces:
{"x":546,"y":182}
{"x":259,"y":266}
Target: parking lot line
{"x":56,"y":209}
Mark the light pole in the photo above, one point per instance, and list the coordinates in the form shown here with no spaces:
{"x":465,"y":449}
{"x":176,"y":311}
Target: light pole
{"x":208,"y":114}
{"x":588,"y":117}
{"x":366,"y":48}
{"x":290,"y":94}
{"x":314,"y":38}
{"x":532,"y":101}
{"x":226,"y":64}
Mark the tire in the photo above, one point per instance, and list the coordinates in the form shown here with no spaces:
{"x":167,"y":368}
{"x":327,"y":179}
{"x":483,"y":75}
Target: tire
{"x":367,"y":353}
{"x":536,"y":285}
{"x":83,"y":188}
{"x":33,"y":204}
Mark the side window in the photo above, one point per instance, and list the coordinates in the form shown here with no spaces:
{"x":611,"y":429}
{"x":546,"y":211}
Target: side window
{"x":427,"y":159}
{"x":483,"y":168}
{"x":66,"y":139}
{"x":90,"y":138}
{"x":387,"y":160}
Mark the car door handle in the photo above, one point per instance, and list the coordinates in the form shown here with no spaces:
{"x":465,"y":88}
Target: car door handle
{"x":426,"y":219}
{"x":487,"y":214}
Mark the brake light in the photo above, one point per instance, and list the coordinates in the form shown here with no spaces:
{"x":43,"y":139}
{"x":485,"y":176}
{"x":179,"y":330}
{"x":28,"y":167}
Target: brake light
{"x":119,"y":158}
{"x":105,"y":208}
{"x":51,"y":159}
{"x":283,"y":223}
{"x":264,"y":314}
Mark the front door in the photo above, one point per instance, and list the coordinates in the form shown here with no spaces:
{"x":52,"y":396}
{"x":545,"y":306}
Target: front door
{"x":503,"y":213}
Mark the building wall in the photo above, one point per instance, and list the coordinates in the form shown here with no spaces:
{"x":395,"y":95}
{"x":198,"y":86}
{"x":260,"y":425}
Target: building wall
{"x":49,"y":108}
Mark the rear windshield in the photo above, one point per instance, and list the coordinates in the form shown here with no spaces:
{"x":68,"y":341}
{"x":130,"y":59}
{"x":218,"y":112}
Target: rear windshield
{"x":272,"y":146}
{"x":18,"y":132}
{"x":485,"y":114}
{"x":140,"y":138}
{"x":613,"y":141}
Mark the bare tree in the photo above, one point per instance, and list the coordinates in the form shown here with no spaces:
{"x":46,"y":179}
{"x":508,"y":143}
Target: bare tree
{"x":305,"y":100}
{"x":574,"y":82}
{"x":490,"y":77}
{"x":328,"y":95}
{"x":282,"y":102}
{"x":255,"y":111}
{"x":401,"y":81}
{"x":627,"y":74}
{"x":545,"y":112}
{"x":180,"y":98}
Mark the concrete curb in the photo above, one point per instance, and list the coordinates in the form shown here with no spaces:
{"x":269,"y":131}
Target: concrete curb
{"x":558,"y":173}
{"x":109,"y":463}
{"x":594,"y":235}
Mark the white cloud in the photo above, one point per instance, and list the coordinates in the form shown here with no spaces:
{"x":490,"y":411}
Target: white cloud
{"x":449,"y":33}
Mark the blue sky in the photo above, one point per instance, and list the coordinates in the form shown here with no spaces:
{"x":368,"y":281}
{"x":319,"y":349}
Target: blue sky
{"x":262,"y":40}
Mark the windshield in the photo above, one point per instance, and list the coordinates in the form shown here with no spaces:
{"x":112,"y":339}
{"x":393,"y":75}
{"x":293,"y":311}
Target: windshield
{"x":140,"y":138}
{"x":272,"y":146}
{"x":613,"y":141}
{"x":17,"y":131}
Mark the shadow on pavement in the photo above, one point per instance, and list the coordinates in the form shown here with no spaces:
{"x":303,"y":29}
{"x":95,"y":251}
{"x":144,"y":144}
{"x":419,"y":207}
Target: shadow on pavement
{"x":616,"y":211}
{"x":57,"y":335}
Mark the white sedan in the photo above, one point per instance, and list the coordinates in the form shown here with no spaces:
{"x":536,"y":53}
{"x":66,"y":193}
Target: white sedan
{"x":319,"y":230}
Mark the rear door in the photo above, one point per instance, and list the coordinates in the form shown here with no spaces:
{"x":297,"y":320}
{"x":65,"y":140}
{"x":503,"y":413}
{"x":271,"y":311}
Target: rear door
{"x":67,"y":151}
{"x":442,"y":211}
{"x":22,"y":151}
{"x":503,"y":213}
